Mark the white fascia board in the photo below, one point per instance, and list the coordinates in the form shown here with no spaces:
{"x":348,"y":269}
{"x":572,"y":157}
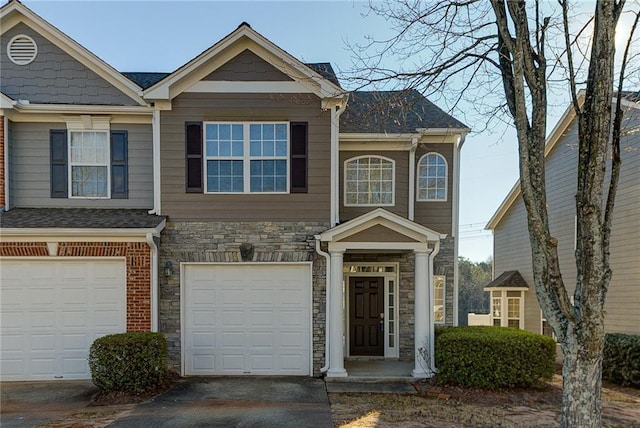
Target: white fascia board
{"x":443,"y":131}
{"x":71,"y":47}
{"x":82,"y":109}
{"x":79,"y":234}
{"x":377,"y":137}
{"x":378,"y":246}
{"x":6,"y":102}
{"x":374,"y":217}
{"x":505,"y":289}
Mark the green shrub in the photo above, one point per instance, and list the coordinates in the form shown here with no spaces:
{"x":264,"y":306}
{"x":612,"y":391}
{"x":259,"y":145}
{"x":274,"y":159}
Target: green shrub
{"x":493,"y":357}
{"x":621,"y":359}
{"x":130,"y":362}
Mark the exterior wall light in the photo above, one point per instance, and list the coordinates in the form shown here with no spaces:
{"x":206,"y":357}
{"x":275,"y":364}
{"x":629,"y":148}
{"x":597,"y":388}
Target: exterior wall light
{"x":168,"y":269}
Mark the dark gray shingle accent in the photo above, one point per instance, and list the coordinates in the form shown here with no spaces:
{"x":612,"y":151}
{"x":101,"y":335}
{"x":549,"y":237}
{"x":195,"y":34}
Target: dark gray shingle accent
{"x":145,"y":80}
{"x":511,"y":278}
{"x":393,"y":112}
{"x":78,"y":218}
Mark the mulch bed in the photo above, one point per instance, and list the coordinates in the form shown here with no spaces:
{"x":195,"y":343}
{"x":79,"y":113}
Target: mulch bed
{"x":127,"y":397}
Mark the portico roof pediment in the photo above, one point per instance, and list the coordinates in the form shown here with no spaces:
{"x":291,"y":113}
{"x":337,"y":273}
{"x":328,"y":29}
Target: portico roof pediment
{"x":380,"y":225}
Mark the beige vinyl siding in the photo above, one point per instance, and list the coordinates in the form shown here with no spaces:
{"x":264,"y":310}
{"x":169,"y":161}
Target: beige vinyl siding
{"x":401,"y":183}
{"x":187,"y":107}
{"x":31,"y":170}
{"x":436,"y":215}
{"x":511,"y":239}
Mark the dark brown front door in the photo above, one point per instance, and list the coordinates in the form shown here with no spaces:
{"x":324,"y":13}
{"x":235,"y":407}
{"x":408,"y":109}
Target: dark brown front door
{"x":366,"y":301}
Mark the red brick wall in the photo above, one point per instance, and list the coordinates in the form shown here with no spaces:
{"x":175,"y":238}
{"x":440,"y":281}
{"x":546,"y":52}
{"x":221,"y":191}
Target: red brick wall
{"x":2,"y":201}
{"x":138,"y":258}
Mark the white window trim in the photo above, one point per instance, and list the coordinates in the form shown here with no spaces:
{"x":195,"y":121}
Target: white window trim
{"x":98,"y":129}
{"x":444,"y":299}
{"x":246,"y":157}
{"x":504,"y":307}
{"x":393,"y":181}
{"x":446,"y":179}
{"x":389,"y":351}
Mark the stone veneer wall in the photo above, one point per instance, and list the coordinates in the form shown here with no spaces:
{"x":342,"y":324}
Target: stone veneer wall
{"x":443,"y":264}
{"x":220,"y":242}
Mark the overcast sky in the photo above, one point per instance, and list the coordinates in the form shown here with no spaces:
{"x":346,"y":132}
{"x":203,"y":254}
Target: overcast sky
{"x":163,"y":35}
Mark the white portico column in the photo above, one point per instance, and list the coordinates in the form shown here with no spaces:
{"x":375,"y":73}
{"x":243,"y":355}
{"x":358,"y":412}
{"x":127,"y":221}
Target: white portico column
{"x":336,"y":312}
{"x":422,"y":313}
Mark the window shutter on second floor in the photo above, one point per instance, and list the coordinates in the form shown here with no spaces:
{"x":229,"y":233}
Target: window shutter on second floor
{"x":59,"y":173}
{"x":119,"y":167}
{"x":193,"y":158}
{"x":299,"y":148}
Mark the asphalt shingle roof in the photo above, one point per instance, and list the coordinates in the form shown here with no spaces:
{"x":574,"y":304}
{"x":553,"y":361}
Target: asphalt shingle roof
{"x":148,"y":79}
{"x":511,"y":278}
{"x":78,"y":218}
{"x":393,"y":112}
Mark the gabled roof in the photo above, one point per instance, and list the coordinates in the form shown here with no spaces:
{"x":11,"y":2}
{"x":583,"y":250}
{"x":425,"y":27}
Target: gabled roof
{"x":394,"y":112}
{"x":380,"y":216}
{"x":242,"y":38}
{"x":148,"y":79}
{"x":508,"y":279}
{"x":15,"y":12}
{"x":630,"y":99}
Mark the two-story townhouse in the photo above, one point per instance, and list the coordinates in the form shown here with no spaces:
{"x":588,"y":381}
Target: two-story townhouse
{"x":513,"y":297}
{"x":304,"y":225}
{"x":77,"y":242}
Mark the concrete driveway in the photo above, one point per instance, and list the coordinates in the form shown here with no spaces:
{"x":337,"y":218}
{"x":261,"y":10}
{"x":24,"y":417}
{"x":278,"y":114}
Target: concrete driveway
{"x":236,"y":402}
{"x":31,"y":404}
{"x":192,"y":402}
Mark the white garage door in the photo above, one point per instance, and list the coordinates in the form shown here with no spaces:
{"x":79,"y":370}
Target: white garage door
{"x":52,"y":311}
{"x":247,"y":319}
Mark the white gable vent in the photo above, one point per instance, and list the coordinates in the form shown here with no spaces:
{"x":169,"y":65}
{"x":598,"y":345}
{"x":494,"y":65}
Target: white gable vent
{"x":22,"y":49}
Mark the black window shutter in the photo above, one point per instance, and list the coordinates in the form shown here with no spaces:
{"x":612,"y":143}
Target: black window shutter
{"x":59,"y":172}
{"x":119,"y":165}
{"x":193,"y":158}
{"x":299,"y":148}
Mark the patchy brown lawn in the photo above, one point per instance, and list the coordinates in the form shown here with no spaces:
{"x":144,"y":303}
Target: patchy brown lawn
{"x":448,"y":406}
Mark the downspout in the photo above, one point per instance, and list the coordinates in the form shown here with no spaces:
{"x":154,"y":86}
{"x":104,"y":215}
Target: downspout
{"x":335,"y":156}
{"x":456,"y":223}
{"x":5,"y":130}
{"x":432,"y":339}
{"x":155,"y":127}
{"x":154,"y":281}
{"x":327,"y":288}
{"x":412,"y":177}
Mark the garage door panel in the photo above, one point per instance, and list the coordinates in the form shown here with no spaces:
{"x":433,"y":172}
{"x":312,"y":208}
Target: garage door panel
{"x":62,"y":310}
{"x":261,"y":324}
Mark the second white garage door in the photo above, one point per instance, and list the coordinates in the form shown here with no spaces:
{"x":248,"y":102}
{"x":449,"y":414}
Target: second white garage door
{"x":247,"y":319}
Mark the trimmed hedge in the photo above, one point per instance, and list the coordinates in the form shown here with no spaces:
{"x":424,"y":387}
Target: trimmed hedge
{"x":129,"y":362}
{"x":621,"y":359}
{"x":493,"y":357}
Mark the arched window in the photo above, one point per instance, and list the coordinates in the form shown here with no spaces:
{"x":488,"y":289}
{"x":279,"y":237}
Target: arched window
{"x":368,"y":180}
{"x":432,"y":178}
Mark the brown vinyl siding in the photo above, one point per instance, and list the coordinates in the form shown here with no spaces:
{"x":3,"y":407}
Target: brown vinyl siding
{"x":188,"y":107}
{"x":248,"y":67}
{"x":511,"y":240}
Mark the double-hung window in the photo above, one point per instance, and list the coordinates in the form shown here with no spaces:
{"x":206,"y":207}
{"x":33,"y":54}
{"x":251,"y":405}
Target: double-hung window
{"x":89,"y":164}
{"x":89,"y":160}
{"x":246,"y":157}
{"x":507,"y":308}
